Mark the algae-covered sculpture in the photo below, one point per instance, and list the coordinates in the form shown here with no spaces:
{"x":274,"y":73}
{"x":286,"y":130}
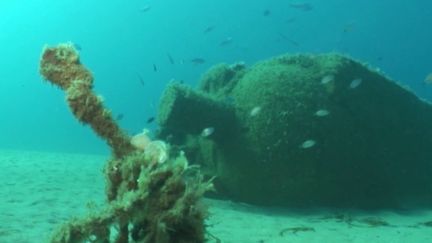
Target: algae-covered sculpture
{"x":150,"y":197}
{"x":300,"y":130}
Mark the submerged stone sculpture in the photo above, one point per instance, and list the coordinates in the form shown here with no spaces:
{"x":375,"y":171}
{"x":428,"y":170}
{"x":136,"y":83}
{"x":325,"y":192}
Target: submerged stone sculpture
{"x":321,"y":130}
{"x":151,"y":199}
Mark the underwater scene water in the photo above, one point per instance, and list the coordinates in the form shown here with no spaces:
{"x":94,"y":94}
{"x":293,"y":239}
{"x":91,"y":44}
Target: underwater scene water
{"x":215,"y":121}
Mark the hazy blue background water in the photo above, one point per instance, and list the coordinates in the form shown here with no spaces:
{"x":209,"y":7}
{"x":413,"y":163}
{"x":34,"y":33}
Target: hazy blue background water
{"x":118,"y":40}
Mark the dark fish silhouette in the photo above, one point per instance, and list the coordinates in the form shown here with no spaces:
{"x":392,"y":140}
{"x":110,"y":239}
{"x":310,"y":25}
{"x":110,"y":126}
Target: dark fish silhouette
{"x":198,"y":61}
{"x":119,"y":117}
{"x":150,"y":120}
{"x":348,"y":27}
{"x":225,"y":42}
{"x":140,"y":79}
{"x":293,"y":42}
{"x":145,"y":8}
{"x":266,"y":13}
{"x":77,"y":46}
{"x":301,"y":6}
{"x":290,"y":20}
{"x":155,"y":67}
{"x":171,"y":60}
{"x":209,"y":29}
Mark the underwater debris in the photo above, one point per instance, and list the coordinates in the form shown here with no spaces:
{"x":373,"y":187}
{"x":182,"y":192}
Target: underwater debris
{"x":374,"y":222}
{"x":295,"y":230}
{"x":355,"y":83}
{"x":427,"y":224}
{"x":214,"y":237}
{"x":340,"y":218}
{"x":358,"y":222}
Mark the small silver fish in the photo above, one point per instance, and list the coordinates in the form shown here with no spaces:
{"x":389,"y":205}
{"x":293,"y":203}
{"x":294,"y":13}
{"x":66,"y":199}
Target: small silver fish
{"x":322,"y":112}
{"x":308,"y":144}
{"x":428,"y":79}
{"x":207,"y":131}
{"x":355,"y":83}
{"x":327,"y":79}
{"x":255,"y":111}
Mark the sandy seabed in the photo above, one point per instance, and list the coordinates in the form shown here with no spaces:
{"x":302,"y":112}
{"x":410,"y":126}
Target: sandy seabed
{"x":40,"y":190}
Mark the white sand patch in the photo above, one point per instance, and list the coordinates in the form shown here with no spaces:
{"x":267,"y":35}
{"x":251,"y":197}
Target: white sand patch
{"x":39,"y":190}
{"x":237,"y":222}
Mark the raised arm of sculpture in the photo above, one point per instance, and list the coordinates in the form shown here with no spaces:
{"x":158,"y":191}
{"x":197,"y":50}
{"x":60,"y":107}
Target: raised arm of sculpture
{"x":149,"y":199}
{"x":61,"y":66}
